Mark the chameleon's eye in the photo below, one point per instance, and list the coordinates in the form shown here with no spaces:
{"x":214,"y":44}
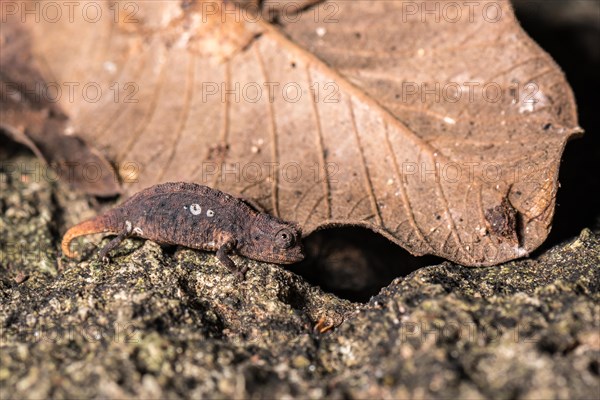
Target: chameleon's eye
{"x":284,"y":238}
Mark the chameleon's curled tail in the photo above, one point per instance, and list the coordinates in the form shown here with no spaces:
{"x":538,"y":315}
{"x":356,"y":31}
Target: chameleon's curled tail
{"x":94,"y":225}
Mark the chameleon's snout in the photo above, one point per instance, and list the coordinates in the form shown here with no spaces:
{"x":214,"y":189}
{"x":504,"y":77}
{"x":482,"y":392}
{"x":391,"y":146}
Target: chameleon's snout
{"x":296,"y":256}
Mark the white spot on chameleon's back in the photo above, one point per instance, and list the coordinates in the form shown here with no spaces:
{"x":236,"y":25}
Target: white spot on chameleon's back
{"x":210,"y":213}
{"x":195,"y":209}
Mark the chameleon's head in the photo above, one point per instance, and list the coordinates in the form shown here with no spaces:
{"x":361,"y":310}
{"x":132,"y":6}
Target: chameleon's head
{"x":273,"y":240}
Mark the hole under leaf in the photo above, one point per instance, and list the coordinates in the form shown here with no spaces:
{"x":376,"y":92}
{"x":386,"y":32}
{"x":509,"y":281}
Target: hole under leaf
{"x":355,"y":263}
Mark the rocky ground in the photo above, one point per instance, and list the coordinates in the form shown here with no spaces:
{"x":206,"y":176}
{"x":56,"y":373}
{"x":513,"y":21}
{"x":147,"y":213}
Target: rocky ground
{"x":170,"y":323}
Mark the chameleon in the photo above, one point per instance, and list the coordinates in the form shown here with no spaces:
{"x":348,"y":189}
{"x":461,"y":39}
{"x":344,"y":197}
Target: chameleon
{"x":198,"y":217}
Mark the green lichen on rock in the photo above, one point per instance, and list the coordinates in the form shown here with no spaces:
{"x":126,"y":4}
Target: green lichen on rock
{"x":159,"y":323}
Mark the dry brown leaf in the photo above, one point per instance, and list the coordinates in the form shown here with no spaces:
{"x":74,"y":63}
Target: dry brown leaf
{"x":324,"y":109}
{"x":28,"y":115}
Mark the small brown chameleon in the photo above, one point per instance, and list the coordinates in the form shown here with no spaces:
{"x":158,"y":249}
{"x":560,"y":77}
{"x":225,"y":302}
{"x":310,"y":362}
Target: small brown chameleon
{"x":198,"y":217}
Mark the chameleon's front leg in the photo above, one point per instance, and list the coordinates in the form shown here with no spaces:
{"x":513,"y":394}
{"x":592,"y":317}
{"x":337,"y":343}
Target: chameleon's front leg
{"x":103,"y":254}
{"x":223,"y":256}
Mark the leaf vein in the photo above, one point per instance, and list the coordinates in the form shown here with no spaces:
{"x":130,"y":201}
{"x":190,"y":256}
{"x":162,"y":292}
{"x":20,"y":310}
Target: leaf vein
{"x":273,"y":130}
{"x":321,"y":147}
{"x":368,"y":182}
{"x":404,"y":193}
{"x":185,"y":113}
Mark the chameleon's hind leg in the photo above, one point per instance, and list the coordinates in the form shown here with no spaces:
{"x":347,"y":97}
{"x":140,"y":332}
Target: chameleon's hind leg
{"x":223,"y":256}
{"x":103,"y":254}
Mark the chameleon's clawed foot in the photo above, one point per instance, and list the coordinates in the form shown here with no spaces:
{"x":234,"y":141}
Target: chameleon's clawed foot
{"x":241,"y":273}
{"x":103,"y":255}
{"x":223,"y":256}
{"x":105,"y":260}
{"x":114,"y":243}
